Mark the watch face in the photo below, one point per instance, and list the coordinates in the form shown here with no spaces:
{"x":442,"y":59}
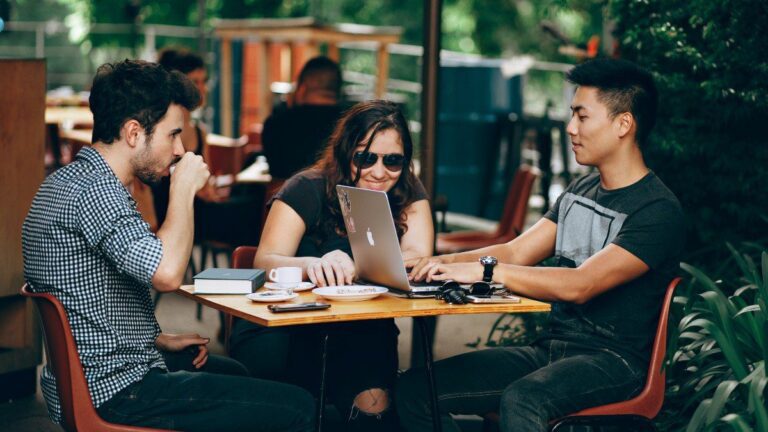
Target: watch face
{"x":488,"y":260}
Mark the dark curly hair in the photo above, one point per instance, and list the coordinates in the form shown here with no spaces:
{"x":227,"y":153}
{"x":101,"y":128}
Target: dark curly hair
{"x":372,"y":116}
{"x":139,"y":90}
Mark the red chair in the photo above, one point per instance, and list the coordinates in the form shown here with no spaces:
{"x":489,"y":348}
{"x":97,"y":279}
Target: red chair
{"x":633,"y":414}
{"x":78,"y":413}
{"x":636,"y":413}
{"x":511,"y":223}
{"x":242,"y":258}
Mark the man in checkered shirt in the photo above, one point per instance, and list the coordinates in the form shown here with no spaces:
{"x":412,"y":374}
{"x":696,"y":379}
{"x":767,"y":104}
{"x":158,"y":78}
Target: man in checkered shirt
{"x":85,"y":242}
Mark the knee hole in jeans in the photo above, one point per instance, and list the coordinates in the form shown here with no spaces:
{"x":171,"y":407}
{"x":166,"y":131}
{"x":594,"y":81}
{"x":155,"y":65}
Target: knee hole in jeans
{"x":371,"y":402}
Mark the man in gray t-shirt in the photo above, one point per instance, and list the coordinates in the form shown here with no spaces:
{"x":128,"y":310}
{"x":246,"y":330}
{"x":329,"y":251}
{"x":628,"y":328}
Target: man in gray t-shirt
{"x":616,"y":236}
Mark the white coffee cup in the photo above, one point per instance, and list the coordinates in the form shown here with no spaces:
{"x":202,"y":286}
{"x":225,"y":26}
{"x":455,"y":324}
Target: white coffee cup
{"x":286,"y":277}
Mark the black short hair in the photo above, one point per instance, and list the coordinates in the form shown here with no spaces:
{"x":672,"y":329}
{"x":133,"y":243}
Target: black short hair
{"x":139,"y":90}
{"x":321,"y":73}
{"x":180,"y":59}
{"x":623,"y":87}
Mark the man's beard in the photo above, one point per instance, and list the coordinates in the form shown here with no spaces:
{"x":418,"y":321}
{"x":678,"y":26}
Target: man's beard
{"x":144,"y":166}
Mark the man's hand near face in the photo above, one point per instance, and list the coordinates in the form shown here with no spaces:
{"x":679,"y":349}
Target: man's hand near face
{"x":191,"y":173}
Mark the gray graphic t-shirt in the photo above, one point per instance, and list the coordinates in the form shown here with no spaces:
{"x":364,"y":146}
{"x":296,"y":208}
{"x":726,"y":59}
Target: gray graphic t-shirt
{"x":645,"y":219}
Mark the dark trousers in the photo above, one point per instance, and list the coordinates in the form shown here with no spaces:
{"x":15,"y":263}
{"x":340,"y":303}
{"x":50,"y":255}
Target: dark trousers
{"x":528,"y":386}
{"x":221,"y":397}
{"x":361,"y":355}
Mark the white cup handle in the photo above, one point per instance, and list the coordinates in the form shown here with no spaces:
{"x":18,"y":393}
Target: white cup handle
{"x":273,"y":275}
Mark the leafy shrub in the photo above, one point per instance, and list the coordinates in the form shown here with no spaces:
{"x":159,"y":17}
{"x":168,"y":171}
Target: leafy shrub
{"x":716,"y":376}
{"x":710,"y":59}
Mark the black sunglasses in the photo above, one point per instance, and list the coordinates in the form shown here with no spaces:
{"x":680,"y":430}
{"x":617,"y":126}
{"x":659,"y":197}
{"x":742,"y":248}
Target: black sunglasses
{"x":365,"y":159}
{"x":450,"y":288}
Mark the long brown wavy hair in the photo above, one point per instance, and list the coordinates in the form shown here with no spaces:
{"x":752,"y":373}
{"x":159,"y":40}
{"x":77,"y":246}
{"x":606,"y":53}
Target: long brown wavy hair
{"x":371,"y":116}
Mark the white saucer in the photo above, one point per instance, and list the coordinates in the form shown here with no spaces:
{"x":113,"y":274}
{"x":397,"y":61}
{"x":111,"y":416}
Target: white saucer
{"x":350,"y":292}
{"x":271,"y":296}
{"x":302,"y":286}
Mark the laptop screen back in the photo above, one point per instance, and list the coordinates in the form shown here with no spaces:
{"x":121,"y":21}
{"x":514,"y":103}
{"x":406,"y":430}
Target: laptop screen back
{"x":373,"y":237}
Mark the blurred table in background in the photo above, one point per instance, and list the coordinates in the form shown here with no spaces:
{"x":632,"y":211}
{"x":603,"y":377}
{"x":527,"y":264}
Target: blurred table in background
{"x":69,"y":117}
{"x":59,"y":119}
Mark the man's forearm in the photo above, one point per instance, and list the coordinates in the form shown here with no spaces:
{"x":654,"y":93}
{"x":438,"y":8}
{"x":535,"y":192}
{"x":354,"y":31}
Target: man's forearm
{"x":544,"y":283}
{"x":177,"y":235}
{"x":500,"y":251}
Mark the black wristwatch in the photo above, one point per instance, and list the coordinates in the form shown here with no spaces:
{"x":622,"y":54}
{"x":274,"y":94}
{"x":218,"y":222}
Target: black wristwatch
{"x":488,"y":262}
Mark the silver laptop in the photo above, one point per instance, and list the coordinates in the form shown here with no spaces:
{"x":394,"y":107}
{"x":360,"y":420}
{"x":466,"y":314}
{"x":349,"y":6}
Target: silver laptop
{"x":375,"y":246}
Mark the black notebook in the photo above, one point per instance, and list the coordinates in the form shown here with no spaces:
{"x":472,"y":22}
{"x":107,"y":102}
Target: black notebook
{"x":228,"y":281}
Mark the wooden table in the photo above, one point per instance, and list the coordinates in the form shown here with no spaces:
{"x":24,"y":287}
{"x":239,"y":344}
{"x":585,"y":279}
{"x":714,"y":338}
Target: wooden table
{"x":385,"y":306}
{"x":59,"y":119}
{"x":69,"y":116}
{"x":256,"y":173}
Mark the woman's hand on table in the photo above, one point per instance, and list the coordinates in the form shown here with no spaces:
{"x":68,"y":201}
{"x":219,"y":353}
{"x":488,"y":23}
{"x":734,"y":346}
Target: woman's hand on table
{"x":333,"y":268}
{"x":175,"y":343}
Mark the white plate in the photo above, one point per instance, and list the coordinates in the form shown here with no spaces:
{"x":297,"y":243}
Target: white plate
{"x":350,"y":292}
{"x":302,"y":286}
{"x":271,"y":296}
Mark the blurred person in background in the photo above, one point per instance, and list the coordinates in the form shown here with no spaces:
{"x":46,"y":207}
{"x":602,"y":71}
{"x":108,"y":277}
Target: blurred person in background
{"x":294,"y":138}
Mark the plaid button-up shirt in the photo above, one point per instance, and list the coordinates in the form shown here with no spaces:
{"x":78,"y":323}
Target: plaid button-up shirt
{"x":85,"y":243}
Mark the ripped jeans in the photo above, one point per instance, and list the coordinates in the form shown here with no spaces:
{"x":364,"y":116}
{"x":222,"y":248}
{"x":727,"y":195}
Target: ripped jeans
{"x":362,"y":355}
{"x":528,"y":386}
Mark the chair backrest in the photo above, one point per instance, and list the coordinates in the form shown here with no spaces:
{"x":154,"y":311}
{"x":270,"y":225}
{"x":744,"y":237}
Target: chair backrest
{"x":78,"y":413}
{"x":513,"y":216}
{"x":649,"y":401}
{"x":224,"y":160}
{"x":242,"y":257}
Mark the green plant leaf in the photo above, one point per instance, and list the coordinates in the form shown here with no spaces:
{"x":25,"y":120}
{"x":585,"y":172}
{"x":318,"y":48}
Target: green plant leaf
{"x":763,"y":287}
{"x":699,"y":416}
{"x":702,"y":278}
{"x":747,"y":309}
{"x":736,"y":422}
{"x":719,"y":399}
{"x":732,"y":355}
{"x":757,"y":382}
{"x":746,"y":266}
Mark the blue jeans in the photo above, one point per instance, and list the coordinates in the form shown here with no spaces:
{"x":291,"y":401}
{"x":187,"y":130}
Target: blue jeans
{"x":207,"y":401}
{"x":528,"y":386}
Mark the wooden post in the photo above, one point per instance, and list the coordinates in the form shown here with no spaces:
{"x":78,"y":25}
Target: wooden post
{"x":383,"y":71}
{"x":225,"y":93}
{"x":22,"y":143}
{"x":333,"y":51}
{"x":265,"y":95}
{"x":298,"y":58}
{"x":430,"y":70}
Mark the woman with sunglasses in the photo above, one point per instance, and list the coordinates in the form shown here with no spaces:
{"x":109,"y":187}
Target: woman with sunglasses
{"x":370,"y":148}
